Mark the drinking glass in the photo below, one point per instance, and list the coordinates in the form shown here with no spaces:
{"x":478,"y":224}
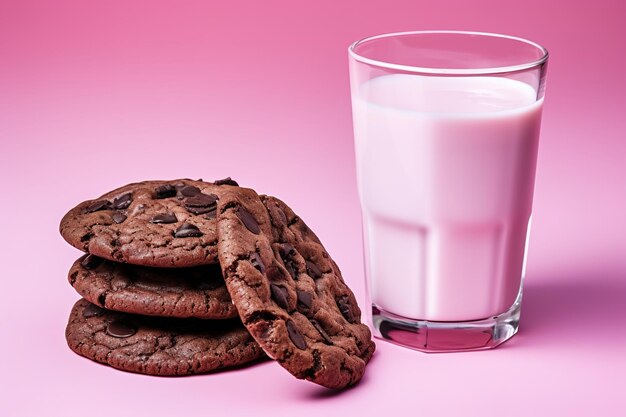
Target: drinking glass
{"x":446,"y":127}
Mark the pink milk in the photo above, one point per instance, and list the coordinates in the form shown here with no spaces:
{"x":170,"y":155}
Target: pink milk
{"x":446,"y":169}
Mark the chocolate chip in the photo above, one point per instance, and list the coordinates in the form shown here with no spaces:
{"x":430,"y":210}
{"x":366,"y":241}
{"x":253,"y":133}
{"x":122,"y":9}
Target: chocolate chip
{"x":211,"y":213}
{"x":226,"y":181}
{"x":121,"y":329}
{"x":73,"y":278}
{"x":123,"y":201}
{"x":98,"y":205}
{"x":102,"y":298}
{"x":292,"y":268}
{"x":201,"y":200}
{"x":295,"y":335}
{"x":343,"y":303}
{"x":90,"y":261}
{"x":164,"y":218}
{"x":248,"y":220}
{"x":165,"y":191}
{"x":201,"y":203}
{"x":189,"y":191}
{"x":321,"y":330}
{"x":200,"y":210}
{"x":286,"y":250}
{"x":256,"y":262}
{"x":279,"y":294}
{"x":92,"y":310}
{"x":187,"y":230}
{"x":305,"y":298}
{"x":313,"y":270}
{"x":118,"y":217}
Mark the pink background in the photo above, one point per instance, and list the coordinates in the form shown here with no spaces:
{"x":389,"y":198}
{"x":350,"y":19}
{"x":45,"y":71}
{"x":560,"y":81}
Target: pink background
{"x":95,"y":94}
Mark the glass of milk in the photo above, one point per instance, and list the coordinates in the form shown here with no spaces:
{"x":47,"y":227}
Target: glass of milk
{"x":446,"y":126}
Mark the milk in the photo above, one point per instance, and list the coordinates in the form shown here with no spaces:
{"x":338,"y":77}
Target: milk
{"x":445,"y":169}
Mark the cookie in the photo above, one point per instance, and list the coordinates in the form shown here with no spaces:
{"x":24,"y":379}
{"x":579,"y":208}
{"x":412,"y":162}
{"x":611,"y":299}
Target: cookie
{"x":156,"y":345}
{"x":151,"y":223}
{"x":197,"y":291}
{"x":289,"y":292}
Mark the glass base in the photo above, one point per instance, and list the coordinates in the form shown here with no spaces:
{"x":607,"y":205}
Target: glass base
{"x":438,"y":336}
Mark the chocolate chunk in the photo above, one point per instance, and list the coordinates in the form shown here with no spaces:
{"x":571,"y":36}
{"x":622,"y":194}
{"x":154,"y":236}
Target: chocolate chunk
{"x":189,"y":191}
{"x":226,"y":181}
{"x":211,"y":214}
{"x":295,"y":335}
{"x":164,"y":218}
{"x":256,"y":262}
{"x":343,"y":303}
{"x":201,"y":200}
{"x":305,"y":298}
{"x":313,"y":270}
{"x":92,"y":310}
{"x":187,"y":230}
{"x":165,"y":191}
{"x":201,"y":203}
{"x":279,"y":294}
{"x":248,"y":220}
{"x":91,"y":261}
{"x":321,"y":330}
{"x":292,"y":268}
{"x":286,"y":250}
{"x":200,"y":210}
{"x":118,"y":217}
{"x":123,"y":201}
{"x":98,"y":205}
{"x":121,"y":329}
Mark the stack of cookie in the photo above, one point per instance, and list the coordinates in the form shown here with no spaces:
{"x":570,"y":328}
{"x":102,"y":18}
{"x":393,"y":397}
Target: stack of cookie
{"x":183,"y":277}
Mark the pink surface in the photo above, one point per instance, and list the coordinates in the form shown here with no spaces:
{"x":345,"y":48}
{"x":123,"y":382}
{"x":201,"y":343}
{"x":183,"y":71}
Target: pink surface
{"x":97,"y":94}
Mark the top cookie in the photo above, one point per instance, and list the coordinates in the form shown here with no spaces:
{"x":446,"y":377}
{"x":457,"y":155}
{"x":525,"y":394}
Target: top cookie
{"x":150,"y":223}
{"x":289,"y":293}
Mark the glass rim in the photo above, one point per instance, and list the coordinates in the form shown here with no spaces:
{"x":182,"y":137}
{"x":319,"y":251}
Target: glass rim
{"x":448,"y":71}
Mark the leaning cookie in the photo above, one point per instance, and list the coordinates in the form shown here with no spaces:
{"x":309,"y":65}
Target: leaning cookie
{"x":288,"y":291}
{"x":167,"y":292}
{"x":158,"y":346}
{"x":151,"y":223}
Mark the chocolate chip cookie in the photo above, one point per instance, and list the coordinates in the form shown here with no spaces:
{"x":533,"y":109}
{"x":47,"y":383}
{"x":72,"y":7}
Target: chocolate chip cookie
{"x":168,"y":292}
{"x":158,"y":346}
{"x":289,"y":293}
{"x":150,"y":223}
